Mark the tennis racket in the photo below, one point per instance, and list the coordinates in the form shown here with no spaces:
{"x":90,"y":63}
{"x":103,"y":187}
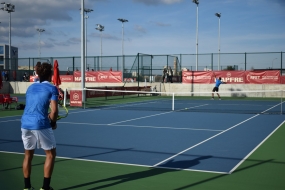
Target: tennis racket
{"x":62,"y":112}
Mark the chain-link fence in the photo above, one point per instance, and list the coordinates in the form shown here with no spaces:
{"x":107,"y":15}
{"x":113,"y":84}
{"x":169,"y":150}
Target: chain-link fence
{"x":152,"y":65}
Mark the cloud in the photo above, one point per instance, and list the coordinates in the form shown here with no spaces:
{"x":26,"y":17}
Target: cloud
{"x":104,"y":36}
{"x":33,"y":14}
{"x":140,"y":29}
{"x":69,"y":42}
{"x":160,"y":24}
{"x":157,"y":2}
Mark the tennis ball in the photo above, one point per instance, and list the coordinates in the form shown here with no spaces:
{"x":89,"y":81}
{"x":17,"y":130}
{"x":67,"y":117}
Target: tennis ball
{"x":186,"y":108}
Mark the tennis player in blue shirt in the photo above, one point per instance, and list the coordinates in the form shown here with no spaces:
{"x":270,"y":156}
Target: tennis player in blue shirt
{"x":37,"y":124}
{"x":216,"y":88}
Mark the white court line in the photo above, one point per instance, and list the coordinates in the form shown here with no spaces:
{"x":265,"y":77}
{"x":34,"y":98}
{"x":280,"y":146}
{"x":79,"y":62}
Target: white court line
{"x":136,"y":126}
{"x":155,"y":115}
{"x":205,"y":140}
{"x":192,"y":129}
{"x":213,"y":137}
{"x":10,"y":120}
{"x":234,"y":168}
{"x":117,"y":163}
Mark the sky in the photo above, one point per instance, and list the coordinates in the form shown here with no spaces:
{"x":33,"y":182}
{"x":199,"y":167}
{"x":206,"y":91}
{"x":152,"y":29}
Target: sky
{"x":156,"y":27}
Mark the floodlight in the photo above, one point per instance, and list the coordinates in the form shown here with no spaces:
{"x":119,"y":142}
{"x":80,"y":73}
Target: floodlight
{"x":101,"y":29}
{"x":218,"y":15}
{"x":196,"y":2}
{"x":123,"y":20}
{"x":86,"y":17}
{"x":197,"y":25}
{"x":123,"y":61}
{"x":40,"y":30}
{"x":219,"y":46}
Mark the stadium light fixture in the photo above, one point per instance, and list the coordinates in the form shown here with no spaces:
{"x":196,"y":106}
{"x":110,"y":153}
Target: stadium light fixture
{"x":86,"y":11}
{"x":101,"y":29}
{"x":123,"y":60}
{"x":219,"y":46}
{"x":40,"y":30}
{"x":9,"y":8}
{"x":197,"y":23}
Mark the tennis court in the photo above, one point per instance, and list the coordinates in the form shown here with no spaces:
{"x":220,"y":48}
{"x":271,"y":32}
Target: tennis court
{"x":145,"y":144}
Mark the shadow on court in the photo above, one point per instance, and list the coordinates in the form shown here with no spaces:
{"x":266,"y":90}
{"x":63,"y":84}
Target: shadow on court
{"x":182,"y":164}
{"x":221,"y":176}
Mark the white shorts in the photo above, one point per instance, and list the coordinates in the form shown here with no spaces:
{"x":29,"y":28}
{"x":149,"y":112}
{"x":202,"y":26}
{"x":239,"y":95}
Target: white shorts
{"x":43,"y":138}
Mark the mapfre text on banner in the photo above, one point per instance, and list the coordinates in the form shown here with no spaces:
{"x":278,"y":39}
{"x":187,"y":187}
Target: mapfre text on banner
{"x":99,"y":76}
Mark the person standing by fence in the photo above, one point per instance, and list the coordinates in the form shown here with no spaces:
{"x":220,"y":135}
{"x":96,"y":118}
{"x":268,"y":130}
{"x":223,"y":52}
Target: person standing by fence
{"x":164,"y":74}
{"x":169,"y":74}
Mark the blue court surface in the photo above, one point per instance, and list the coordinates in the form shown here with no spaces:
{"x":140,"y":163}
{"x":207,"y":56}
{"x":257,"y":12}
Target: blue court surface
{"x":197,"y":141}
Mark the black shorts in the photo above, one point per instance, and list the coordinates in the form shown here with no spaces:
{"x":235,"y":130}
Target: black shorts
{"x":215,"y":89}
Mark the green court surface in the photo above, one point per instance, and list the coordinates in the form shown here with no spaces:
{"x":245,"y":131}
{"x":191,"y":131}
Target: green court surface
{"x":263,"y":170}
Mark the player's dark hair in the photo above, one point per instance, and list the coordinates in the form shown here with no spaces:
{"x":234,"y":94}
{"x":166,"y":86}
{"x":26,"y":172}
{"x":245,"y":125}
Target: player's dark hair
{"x":220,"y":78}
{"x":44,"y":71}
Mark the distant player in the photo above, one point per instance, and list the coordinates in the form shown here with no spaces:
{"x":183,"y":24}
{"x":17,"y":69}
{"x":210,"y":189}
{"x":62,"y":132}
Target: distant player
{"x":216,"y":88}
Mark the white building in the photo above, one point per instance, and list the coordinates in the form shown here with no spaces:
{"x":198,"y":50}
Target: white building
{"x":4,"y":57}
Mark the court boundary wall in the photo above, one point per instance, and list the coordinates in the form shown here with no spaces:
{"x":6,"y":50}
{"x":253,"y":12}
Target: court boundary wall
{"x":21,"y":87}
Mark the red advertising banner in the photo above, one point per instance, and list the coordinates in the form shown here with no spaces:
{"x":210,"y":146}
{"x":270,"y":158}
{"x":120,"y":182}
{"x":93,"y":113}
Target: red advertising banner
{"x":203,"y":77}
{"x":99,"y":76}
{"x":262,"y":77}
{"x":76,"y":98}
{"x":282,"y":79}
{"x":233,"y":77}
{"x":230,"y":77}
{"x":66,"y":78}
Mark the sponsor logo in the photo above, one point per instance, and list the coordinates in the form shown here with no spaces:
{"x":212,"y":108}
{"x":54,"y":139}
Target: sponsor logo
{"x":90,"y":79}
{"x":102,"y":77}
{"x":66,"y":79}
{"x":75,"y":96}
{"x":233,"y":79}
{"x":229,"y":74}
{"x":75,"y":102}
{"x":259,"y":77}
{"x":77,"y":79}
{"x":198,"y":77}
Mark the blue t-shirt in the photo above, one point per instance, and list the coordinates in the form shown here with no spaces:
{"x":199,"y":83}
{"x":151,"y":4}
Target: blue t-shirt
{"x":218,"y":82}
{"x":38,"y":98}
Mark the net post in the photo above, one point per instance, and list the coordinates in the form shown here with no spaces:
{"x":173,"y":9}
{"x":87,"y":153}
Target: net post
{"x":84,"y":103}
{"x":64,"y":97}
{"x":281,"y":100}
{"x":173,"y":101}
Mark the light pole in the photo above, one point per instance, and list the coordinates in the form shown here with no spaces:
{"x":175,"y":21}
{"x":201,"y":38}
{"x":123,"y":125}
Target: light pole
{"x":40,"y":30}
{"x":273,"y":62}
{"x":197,"y":3}
{"x":101,"y":29}
{"x":9,"y":8}
{"x":86,"y":11}
{"x":123,"y":60}
{"x":219,"y":47}
{"x":82,"y":51}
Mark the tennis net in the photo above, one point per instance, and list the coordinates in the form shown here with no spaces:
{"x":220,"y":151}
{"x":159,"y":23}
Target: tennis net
{"x":145,"y":99}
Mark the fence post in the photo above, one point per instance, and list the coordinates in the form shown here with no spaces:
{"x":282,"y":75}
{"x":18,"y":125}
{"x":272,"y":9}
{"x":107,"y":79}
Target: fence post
{"x":29,"y":66}
{"x":281,"y":64}
{"x":245,"y":61}
{"x":73,"y":64}
{"x":138,"y":72}
{"x":212,"y":64}
{"x":117,"y":63}
{"x":167,"y":61}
